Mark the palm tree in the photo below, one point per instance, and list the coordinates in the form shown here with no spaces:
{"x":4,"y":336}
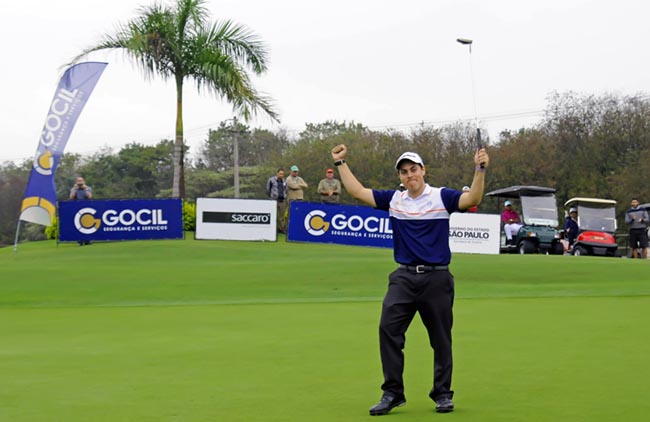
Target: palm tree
{"x":178,"y":42}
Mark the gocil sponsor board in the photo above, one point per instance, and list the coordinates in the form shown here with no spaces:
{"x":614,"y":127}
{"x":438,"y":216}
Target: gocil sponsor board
{"x":365,"y":226}
{"x":342,"y":224}
{"x":120,"y":219}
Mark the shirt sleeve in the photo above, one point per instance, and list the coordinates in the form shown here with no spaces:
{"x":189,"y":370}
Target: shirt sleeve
{"x":451,"y":197}
{"x":291,"y":183}
{"x":382,"y":198}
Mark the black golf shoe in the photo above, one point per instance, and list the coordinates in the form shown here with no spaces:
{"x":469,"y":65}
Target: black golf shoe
{"x":386,"y":404}
{"x":444,"y":405}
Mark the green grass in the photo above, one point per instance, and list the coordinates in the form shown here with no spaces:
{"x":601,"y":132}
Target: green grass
{"x":241,"y":331}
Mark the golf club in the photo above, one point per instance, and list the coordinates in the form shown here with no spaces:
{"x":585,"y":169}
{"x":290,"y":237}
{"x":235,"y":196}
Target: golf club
{"x":479,"y":142}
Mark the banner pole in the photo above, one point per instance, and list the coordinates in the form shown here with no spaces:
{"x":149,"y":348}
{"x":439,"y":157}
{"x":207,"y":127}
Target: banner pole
{"x":16,"y":240}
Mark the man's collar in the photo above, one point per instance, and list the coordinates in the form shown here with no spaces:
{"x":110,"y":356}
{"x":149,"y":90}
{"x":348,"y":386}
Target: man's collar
{"x":425,"y":191}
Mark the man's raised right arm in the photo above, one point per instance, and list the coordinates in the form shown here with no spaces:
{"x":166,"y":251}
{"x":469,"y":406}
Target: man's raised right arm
{"x":352,"y":185}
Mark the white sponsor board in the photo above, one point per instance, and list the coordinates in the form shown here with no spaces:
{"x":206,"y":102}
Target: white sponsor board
{"x":236,"y":219}
{"x":474,"y":233}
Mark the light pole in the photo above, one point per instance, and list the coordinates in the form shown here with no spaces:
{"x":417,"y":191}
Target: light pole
{"x":234,"y":133}
{"x":468,"y":42}
{"x":235,"y":153}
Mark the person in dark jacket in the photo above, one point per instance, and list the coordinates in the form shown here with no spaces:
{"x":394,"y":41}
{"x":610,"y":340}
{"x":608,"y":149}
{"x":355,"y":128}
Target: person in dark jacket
{"x":276,"y":189}
{"x":637,"y":219}
{"x":571,"y":228}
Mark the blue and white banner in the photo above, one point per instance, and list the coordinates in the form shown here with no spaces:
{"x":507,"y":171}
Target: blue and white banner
{"x":366,"y":226}
{"x":342,"y":224}
{"x":127,"y":219}
{"x":75,"y":86}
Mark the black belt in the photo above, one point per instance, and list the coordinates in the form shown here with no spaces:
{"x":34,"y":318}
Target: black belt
{"x":419,"y":269}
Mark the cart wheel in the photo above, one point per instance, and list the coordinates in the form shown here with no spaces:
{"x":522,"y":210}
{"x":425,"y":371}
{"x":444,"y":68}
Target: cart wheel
{"x":526,"y":246}
{"x":579,"y":250}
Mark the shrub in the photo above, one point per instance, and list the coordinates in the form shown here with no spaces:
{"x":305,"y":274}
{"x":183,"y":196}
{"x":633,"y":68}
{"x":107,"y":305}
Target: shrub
{"x":189,"y":216}
{"x":52,"y":232}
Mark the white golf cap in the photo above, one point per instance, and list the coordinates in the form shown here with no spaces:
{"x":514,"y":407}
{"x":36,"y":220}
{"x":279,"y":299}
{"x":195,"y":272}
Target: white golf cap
{"x":572,"y":210}
{"x":411,"y":156}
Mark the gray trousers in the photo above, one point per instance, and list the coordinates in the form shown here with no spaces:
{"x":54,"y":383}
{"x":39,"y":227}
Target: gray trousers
{"x":282,"y":216}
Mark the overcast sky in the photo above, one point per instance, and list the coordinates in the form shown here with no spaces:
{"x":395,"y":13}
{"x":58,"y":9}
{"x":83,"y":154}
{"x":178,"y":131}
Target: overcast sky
{"x":382,"y":63}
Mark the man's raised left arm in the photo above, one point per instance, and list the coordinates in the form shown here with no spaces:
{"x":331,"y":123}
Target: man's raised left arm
{"x":473,"y":197}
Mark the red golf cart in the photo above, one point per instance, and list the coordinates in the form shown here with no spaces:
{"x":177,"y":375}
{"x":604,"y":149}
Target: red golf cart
{"x":597,"y":226}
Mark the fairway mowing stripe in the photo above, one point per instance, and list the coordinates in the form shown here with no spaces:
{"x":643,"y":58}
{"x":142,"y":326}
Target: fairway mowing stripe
{"x":556,"y":295}
{"x":150,"y":304}
{"x":251,"y":302}
{"x":200,"y":303}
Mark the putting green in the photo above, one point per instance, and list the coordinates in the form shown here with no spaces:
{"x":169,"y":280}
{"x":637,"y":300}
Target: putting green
{"x":195,"y":331}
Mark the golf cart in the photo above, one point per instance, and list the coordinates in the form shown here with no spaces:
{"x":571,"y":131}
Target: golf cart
{"x":539,"y":219}
{"x":597,"y":225}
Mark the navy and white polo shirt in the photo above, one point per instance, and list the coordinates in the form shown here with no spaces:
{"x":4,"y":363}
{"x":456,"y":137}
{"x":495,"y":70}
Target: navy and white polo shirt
{"x":420,"y":225}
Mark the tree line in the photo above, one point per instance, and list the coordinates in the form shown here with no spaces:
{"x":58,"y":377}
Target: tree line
{"x":585,"y":145}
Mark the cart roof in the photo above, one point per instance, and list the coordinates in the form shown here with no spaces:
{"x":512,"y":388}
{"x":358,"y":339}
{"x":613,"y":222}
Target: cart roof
{"x":590,"y":201}
{"x":518,"y":191}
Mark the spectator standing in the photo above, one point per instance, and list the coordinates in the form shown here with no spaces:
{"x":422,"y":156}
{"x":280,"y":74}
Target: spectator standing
{"x":571,"y":229}
{"x":511,"y":221}
{"x":475,"y":207}
{"x":637,"y":219}
{"x":79,"y":192}
{"x":295,"y":185}
{"x":276,"y":189}
{"x":329,"y":188}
